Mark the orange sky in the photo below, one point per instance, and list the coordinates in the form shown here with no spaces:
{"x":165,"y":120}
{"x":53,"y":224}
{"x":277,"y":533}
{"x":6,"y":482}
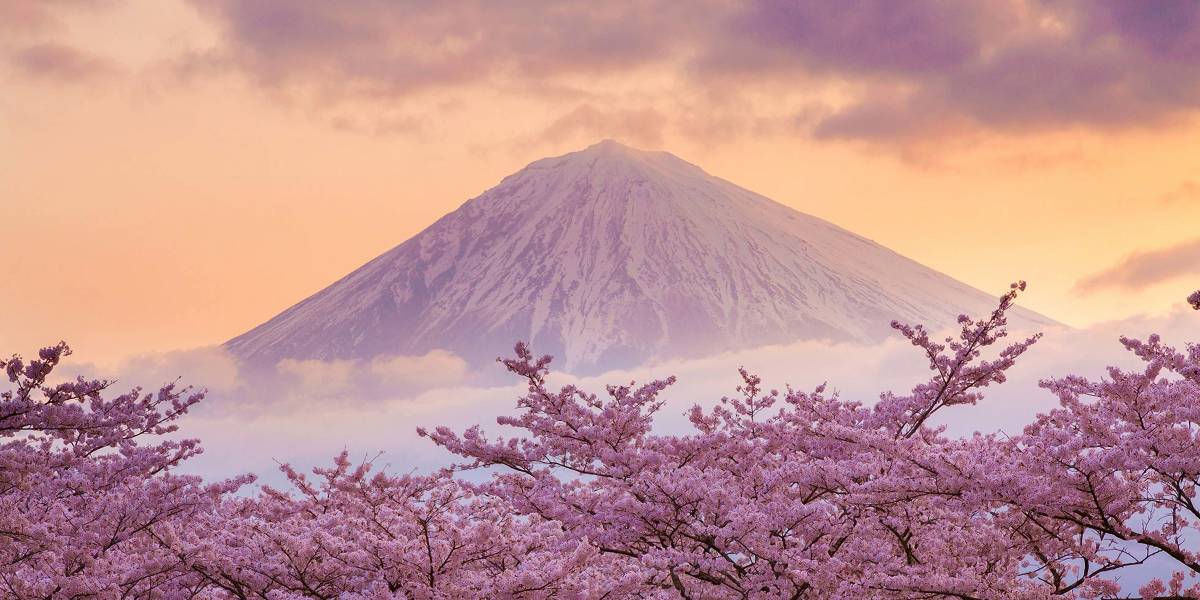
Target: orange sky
{"x":165,"y":183}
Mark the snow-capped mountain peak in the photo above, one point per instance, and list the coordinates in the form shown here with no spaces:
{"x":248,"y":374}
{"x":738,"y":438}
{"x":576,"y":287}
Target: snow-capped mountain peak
{"x":608,"y":257}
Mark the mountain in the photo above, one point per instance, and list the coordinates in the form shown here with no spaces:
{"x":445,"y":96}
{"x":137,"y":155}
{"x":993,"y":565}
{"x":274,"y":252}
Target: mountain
{"x":608,"y":257}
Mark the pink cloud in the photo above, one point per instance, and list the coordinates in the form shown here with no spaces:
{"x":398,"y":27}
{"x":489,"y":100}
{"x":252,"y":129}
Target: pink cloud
{"x":56,"y":62}
{"x":1188,"y":191}
{"x":1146,"y":268}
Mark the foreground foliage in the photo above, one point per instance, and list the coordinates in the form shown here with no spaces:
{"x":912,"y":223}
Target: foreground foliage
{"x":775,"y":494}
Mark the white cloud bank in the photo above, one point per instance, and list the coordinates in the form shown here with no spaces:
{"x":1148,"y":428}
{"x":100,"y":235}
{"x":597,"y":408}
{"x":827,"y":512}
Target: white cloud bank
{"x":307,"y":411}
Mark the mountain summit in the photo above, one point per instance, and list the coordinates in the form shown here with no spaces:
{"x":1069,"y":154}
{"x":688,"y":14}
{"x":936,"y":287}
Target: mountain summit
{"x":608,"y":257}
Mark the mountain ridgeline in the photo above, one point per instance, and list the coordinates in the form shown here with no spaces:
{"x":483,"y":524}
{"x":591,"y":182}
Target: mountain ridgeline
{"x":610,"y":257}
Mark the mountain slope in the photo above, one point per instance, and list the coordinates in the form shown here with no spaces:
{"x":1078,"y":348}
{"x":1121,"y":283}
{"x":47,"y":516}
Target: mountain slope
{"x":608,"y":257}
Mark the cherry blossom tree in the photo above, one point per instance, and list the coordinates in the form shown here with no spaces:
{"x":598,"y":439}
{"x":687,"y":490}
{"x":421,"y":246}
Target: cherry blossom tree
{"x":773,"y":494}
{"x":819,"y":497}
{"x":80,"y":497}
{"x":353,"y":534}
{"x":1109,"y":479}
{"x":823,"y":497}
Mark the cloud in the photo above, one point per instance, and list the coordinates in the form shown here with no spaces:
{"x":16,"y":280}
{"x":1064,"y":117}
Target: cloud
{"x":308,"y":431}
{"x":319,"y":378}
{"x":421,"y":372}
{"x":941,"y":68}
{"x":210,"y":368}
{"x":51,"y":61}
{"x":307,"y":411}
{"x":868,"y":70}
{"x":874,"y":36}
{"x":1187,"y":191}
{"x":1146,"y":268}
{"x":902,"y":72}
{"x":23,"y":17}
{"x":30,"y":48}
{"x":291,"y":385}
{"x":640,"y":126}
{"x":399,"y":48}
{"x":296,"y":383}
{"x":379,"y":126}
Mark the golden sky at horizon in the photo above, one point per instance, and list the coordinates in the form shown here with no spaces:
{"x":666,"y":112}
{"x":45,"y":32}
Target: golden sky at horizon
{"x":161,"y":193}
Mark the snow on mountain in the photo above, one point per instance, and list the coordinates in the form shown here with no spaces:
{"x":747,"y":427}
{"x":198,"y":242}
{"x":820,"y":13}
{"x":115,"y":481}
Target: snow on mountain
{"x":609,"y":257}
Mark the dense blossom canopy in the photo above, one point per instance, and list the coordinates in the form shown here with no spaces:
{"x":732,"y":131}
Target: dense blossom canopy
{"x":774,"y":494}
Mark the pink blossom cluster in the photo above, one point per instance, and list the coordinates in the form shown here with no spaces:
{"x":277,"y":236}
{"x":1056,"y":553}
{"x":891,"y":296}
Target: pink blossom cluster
{"x":773,"y":494}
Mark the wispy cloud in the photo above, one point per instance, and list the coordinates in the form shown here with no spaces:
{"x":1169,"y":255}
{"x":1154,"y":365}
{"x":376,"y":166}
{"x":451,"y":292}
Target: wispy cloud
{"x":1146,"y":268}
{"x":26,"y":18}
{"x":640,"y":126}
{"x":36,"y":43}
{"x":60,"y":63}
{"x":1188,"y":191}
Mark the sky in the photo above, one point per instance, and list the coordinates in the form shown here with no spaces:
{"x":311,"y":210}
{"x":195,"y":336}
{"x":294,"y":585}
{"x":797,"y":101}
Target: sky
{"x":174,"y":172}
